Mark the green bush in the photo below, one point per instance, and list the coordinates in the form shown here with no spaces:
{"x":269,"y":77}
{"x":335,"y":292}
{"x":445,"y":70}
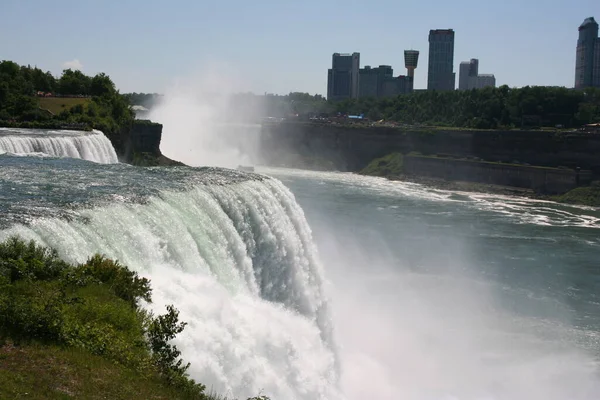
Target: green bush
{"x":93,"y":306}
{"x":388,"y":166}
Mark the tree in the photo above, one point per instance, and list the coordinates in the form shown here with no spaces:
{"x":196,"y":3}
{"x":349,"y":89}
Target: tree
{"x":101,"y":84}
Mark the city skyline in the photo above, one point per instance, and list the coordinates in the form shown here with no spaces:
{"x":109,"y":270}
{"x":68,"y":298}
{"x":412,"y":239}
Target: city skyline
{"x":278,"y":47}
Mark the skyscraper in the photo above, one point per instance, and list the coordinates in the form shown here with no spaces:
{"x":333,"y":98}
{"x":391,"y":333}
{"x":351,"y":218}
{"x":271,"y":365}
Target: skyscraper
{"x":468,"y":72}
{"x":440,"y":75}
{"x":343,"y":78}
{"x":587,"y":65}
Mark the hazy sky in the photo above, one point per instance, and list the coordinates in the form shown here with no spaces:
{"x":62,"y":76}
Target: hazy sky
{"x":280,"y":46}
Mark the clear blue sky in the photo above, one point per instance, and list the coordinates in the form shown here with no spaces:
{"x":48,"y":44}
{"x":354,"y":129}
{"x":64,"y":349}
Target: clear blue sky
{"x":280,"y":46}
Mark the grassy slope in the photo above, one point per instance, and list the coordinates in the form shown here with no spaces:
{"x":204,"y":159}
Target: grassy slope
{"x":52,"y":372}
{"x":586,"y":195}
{"x":388,"y":166}
{"x":58,"y":104}
{"x":78,"y":331}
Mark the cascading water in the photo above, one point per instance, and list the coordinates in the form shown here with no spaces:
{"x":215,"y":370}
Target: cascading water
{"x":91,"y":146}
{"x":233,"y":252}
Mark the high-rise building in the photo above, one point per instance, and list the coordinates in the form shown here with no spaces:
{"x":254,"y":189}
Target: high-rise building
{"x":587,"y":67}
{"x":380,"y":82}
{"x":367,"y":82}
{"x":343,"y":77}
{"x":596,"y":81}
{"x":411,"y":59}
{"x":467,"y":74}
{"x":372,"y":80}
{"x":440,"y":75}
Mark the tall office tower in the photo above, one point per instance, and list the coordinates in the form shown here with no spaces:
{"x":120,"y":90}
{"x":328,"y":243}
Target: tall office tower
{"x":411,"y":59}
{"x":343,"y":77}
{"x":440,"y":75}
{"x":587,"y":66}
{"x":468,"y":72}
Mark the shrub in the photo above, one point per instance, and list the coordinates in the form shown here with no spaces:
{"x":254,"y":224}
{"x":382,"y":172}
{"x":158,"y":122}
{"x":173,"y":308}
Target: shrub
{"x":92,"y":306}
{"x":21,"y":260}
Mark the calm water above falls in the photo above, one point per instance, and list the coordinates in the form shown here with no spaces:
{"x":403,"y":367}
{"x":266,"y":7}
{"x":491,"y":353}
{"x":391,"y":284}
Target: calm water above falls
{"x":399,"y":292}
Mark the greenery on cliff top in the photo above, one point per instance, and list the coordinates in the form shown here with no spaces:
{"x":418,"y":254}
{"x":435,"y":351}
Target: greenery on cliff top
{"x":585,"y":195}
{"x":487,"y":108}
{"x":106,"y":109}
{"x":78,"y":331}
{"x":387,"y":166}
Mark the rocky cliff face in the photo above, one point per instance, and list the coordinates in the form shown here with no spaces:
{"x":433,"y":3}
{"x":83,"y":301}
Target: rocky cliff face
{"x":352,"y":148}
{"x":141,"y":145}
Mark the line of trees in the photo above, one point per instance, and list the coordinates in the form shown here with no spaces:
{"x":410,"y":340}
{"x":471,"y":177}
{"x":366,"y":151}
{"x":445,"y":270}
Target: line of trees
{"x":487,"y":108}
{"x":107,"y":109}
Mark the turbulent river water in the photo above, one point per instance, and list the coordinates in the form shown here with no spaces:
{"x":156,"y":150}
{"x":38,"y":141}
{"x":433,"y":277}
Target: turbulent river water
{"x":307,"y":285}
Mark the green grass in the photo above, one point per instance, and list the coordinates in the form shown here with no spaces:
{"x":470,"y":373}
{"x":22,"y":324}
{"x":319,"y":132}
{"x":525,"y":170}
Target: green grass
{"x":585,"y":195}
{"x":37,"y":371}
{"x":390,"y":165}
{"x":58,"y":104}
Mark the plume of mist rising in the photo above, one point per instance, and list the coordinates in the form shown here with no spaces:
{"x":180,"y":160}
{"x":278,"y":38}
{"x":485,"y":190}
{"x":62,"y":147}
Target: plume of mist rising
{"x":203,"y":125}
{"x":440,"y":335}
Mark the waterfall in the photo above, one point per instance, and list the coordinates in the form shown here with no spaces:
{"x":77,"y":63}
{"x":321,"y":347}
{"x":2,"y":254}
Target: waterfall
{"x":91,"y":146}
{"x":238,"y":261}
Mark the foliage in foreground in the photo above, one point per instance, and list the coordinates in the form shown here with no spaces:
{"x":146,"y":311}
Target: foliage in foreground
{"x":92,"y":307}
{"x":387,"y":166}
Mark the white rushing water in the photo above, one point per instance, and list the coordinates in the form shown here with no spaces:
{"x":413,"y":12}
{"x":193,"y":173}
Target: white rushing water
{"x":92,"y":146}
{"x":239,"y":262}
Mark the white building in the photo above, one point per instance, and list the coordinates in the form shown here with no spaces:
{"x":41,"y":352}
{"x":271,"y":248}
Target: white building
{"x":470,"y":78}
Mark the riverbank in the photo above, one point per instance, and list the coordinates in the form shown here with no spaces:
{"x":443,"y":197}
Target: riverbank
{"x":392,"y":167}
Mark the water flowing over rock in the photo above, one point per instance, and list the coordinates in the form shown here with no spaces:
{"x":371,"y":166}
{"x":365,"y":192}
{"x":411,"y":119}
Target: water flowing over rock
{"x":91,"y":146}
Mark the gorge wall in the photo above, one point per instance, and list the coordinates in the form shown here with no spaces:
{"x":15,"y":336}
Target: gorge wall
{"x":351,"y":148}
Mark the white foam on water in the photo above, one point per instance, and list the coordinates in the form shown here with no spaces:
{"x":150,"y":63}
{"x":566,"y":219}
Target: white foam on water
{"x":93,"y":146}
{"x":239,"y":263}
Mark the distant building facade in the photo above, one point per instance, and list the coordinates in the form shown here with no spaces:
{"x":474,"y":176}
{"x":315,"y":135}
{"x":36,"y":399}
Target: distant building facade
{"x":396,"y":86}
{"x":367,"y":83}
{"x":587,"y":63}
{"x":485,"y":80}
{"x":470,"y":78}
{"x":440,"y":74}
{"x":372,"y":80}
{"x":467,"y":74}
{"x":380,"y":82}
{"x":343,"y":76}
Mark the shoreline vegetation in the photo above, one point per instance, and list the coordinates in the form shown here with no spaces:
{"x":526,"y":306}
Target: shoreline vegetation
{"x":33,"y":99}
{"x":390,"y":167}
{"x":81,"y":331}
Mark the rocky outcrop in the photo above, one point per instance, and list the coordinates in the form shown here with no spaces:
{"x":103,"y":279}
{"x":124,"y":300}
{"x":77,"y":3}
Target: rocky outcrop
{"x":141,"y":145}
